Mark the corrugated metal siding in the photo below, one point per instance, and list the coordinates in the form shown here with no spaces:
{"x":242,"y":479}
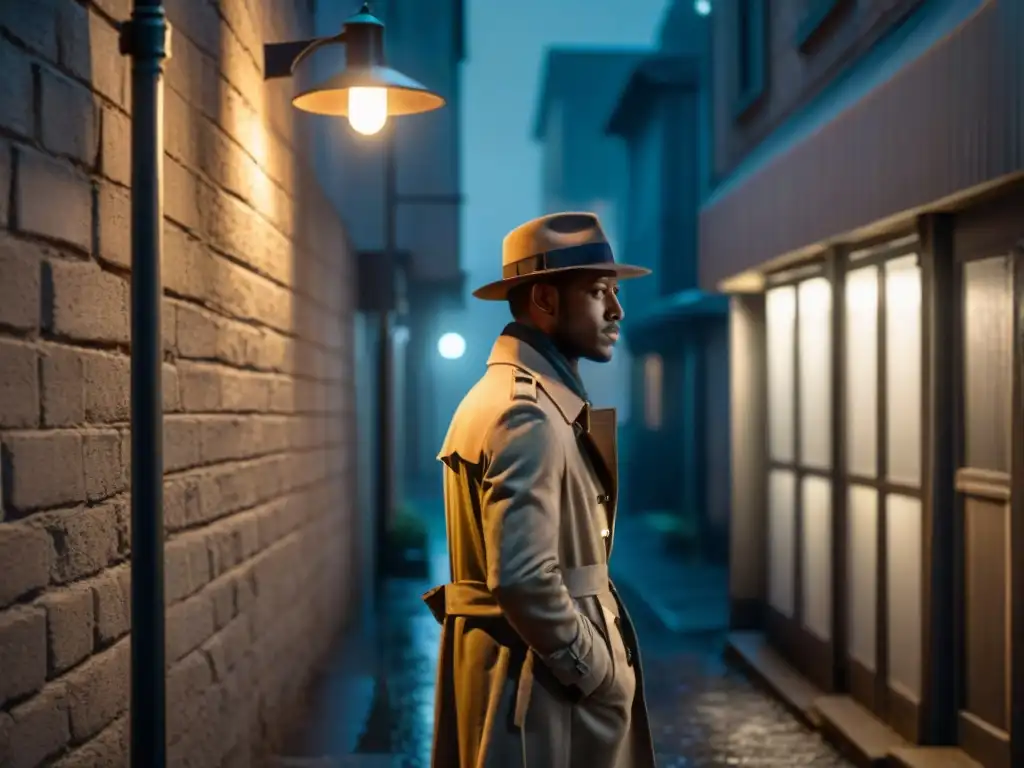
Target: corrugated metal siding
{"x":949,"y":121}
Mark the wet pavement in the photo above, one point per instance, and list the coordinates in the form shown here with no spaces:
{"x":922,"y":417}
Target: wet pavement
{"x":703,"y":712}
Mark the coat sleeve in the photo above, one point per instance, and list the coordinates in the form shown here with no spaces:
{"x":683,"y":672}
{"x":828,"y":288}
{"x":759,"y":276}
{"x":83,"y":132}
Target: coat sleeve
{"x":521,"y":506}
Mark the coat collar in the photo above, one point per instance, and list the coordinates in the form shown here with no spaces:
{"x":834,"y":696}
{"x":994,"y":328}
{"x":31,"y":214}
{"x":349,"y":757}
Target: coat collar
{"x":508,"y":350}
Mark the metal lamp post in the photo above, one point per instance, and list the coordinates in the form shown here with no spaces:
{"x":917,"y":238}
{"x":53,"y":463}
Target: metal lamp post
{"x":367,"y":92}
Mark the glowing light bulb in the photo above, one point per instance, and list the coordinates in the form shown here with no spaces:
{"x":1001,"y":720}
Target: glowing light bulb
{"x":703,"y":7}
{"x":367,"y":109}
{"x":451,"y":346}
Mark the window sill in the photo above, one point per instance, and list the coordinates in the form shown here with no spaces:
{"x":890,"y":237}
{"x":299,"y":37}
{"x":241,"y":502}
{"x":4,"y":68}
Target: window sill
{"x":816,"y":20}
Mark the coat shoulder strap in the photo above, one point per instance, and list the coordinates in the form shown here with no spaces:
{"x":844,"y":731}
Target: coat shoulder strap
{"x":524,"y":385}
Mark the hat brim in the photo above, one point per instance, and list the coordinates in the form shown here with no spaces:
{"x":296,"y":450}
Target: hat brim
{"x":498,"y":290}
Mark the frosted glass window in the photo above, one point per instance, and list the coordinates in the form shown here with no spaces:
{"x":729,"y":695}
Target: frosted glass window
{"x":780,"y":318}
{"x":781,"y":543}
{"x":862,"y":371}
{"x":815,"y":368}
{"x":988,"y":362}
{"x":862,"y":565}
{"x":903,"y":568}
{"x":903,"y":369}
{"x":817,"y":555}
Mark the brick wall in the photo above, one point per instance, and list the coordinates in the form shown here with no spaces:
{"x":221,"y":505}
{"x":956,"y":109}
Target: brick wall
{"x":257,"y":388}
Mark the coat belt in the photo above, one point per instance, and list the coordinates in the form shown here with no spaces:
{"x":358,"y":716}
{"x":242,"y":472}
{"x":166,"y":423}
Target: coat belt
{"x":472,"y":599}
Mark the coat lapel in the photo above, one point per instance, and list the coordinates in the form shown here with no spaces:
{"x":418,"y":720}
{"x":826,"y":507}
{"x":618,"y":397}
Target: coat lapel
{"x":603,"y":438}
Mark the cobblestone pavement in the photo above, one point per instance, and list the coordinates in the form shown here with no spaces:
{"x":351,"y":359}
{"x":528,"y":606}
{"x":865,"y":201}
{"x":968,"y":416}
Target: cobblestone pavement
{"x":703,"y":713}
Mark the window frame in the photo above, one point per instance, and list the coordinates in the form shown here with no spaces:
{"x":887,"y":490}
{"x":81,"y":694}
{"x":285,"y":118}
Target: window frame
{"x":756,"y":47}
{"x":816,"y":21}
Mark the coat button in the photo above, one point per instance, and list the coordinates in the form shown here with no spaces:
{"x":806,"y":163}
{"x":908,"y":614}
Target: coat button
{"x":629,"y":656}
{"x":605,"y":533}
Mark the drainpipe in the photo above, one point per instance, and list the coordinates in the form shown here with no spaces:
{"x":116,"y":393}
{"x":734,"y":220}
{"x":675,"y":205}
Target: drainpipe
{"x":145,"y":39}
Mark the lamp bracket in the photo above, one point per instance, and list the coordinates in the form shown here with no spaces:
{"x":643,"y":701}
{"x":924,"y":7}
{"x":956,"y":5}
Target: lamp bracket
{"x":281,"y":59}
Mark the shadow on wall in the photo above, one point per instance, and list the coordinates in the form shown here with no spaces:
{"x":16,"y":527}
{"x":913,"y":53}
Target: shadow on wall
{"x":258,"y":435}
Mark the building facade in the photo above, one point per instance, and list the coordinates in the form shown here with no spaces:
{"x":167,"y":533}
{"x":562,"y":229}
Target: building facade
{"x":259,"y":425}
{"x":677,"y":334}
{"x":583,"y":168}
{"x":866,"y":220}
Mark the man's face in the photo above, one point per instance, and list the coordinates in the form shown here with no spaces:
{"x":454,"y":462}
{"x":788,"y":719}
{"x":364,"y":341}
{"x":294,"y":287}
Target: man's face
{"x":587,"y":320}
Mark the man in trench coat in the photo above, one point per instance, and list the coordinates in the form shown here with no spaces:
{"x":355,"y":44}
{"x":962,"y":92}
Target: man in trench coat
{"x":539,"y":665}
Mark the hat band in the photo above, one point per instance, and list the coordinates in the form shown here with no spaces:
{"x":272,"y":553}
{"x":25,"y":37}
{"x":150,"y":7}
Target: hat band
{"x":589,"y":254}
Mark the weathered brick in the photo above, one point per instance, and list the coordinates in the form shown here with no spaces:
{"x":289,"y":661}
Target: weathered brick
{"x":86,"y":540}
{"x":87,"y":302}
{"x":181,"y":443}
{"x":186,"y":681}
{"x":114,"y":225}
{"x":53,"y":200}
{"x":98,"y":691}
{"x":115,"y":146}
{"x":69,"y":626}
{"x":104,"y":475}
{"x":181,"y":196}
{"x":182,"y":503}
{"x":27,"y":555}
{"x":40,"y":727}
{"x":63,"y":387}
{"x":222,"y":595}
{"x":45,"y":469}
{"x":187,"y":564}
{"x":108,"y":70}
{"x":22,"y":652}
{"x":20,"y":289}
{"x":206,"y":336}
{"x":16,"y":89}
{"x":34,"y":25}
{"x":171,"y":389}
{"x":189,"y":625}
{"x":19,"y":385}
{"x":200,"y":387}
{"x":112,"y":596}
{"x":69,"y":117}
{"x":107,"y":388}
{"x":108,"y":749}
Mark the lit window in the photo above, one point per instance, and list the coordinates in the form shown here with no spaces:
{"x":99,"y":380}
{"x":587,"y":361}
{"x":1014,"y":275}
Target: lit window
{"x":653,"y":375}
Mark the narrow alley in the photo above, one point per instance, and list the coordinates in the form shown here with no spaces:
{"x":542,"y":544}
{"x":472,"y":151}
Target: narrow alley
{"x":704,"y":713}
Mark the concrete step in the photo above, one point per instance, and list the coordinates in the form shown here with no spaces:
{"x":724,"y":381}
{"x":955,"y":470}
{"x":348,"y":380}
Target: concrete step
{"x":753,"y":652}
{"x":865,"y":739}
{"x":931,"y":757}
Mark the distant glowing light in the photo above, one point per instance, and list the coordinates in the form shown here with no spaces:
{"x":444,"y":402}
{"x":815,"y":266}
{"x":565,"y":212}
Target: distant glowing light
{"x":451,"y":346}
{"x":702,"y":7}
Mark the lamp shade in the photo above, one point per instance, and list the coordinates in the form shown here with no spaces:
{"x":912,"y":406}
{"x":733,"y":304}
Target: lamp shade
{"x":405,"y":96}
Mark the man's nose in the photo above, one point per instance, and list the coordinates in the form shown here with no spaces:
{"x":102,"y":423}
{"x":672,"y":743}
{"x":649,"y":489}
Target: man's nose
{"x":614,"y":309}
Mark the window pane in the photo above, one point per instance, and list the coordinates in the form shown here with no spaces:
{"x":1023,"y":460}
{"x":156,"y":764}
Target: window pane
{"x":862,"y":520}
{"x":653,"y":388}
{"x":903,"y":569}
{"x":816,"y":373}
{"x":781,"y":546}
{"x":862,"y":371}
{"x":780,"y":310}
{"x":817,"y":555}
{"x":903,"y":369}
{"x":988,"y":362}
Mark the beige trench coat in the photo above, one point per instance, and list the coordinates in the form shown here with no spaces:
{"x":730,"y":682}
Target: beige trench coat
{"x":538,"y":665}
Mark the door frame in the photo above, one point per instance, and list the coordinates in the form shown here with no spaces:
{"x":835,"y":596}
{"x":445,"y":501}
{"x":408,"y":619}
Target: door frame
{"x":992,"y":229}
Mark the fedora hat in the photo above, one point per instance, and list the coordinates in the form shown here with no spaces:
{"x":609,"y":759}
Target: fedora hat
{"x":552,"y":244}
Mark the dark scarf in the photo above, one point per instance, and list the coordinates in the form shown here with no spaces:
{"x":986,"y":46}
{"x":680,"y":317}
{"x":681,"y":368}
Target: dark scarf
{"x":543,"y":343}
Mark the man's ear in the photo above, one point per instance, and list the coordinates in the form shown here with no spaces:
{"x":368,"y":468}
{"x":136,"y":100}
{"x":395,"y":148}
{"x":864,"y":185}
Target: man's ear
{"x":544,"y":297}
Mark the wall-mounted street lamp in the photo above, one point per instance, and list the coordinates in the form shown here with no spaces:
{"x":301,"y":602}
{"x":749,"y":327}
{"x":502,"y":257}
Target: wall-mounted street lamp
{"x":451,"y":346}
{"x":367,"y":91}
